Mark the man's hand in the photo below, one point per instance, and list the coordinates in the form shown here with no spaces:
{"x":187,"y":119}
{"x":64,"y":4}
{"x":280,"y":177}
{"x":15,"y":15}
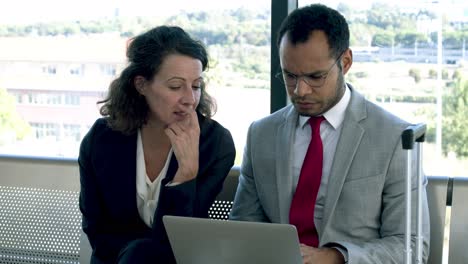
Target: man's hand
{"x":312,"y":255}
{"x":185,"y":137}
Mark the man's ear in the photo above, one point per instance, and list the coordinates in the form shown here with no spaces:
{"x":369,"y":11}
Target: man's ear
{"x":347,"y":60}
{"x":139,"y":83}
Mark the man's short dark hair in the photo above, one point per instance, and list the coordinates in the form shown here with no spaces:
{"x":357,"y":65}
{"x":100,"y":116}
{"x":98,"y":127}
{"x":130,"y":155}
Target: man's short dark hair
{"x":302,"y":21}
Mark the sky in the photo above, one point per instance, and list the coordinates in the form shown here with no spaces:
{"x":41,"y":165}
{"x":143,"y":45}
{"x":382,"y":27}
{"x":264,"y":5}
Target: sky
{"x":29,"y":11}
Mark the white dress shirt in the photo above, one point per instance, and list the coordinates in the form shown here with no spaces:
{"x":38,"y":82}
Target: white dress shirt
{"x":330,"y":130}
{"x":147,"y":191}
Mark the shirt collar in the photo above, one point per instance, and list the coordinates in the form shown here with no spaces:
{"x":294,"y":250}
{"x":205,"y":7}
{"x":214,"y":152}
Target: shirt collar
{"x":334,"y":115}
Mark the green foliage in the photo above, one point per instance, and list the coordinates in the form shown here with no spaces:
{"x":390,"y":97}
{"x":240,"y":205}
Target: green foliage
{"x":445,"y":74}
{"x":432,"y":74}
{"x":455,"y":121}
{"x":457,"y":75}
{"x":369,"y":27}
{"x":225,"y":27}
{"x":428,"y":111}
{"x":382,"y":15}
{"x":251,"y":67}
{"x":454,"y":39}
{"x":408,"y":39}
{"x":384,"y":39}
{"x":362,"y":34}
{"x":12,"y":126}
{"x":416,"y":74}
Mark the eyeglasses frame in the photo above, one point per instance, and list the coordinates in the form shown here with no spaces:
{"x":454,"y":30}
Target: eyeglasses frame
{"x":323,"y":76}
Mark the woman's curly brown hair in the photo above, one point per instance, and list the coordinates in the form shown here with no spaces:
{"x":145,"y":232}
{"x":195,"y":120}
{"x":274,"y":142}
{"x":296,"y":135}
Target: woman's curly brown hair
{"x":126,"y":109}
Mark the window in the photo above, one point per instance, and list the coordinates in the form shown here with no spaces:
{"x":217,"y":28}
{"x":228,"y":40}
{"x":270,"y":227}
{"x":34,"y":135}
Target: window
{"x":45,"y":130}
{"x":49,"y":69}
{"x":78,"y":51}
{"x":396,"y":62}
{"x":44,"y":98}
{"x":72,"y":132}
{"x":396,"y":65}
{"x":108,"y":69}
{"x":72,"y":99}
{"x":75,"y":69}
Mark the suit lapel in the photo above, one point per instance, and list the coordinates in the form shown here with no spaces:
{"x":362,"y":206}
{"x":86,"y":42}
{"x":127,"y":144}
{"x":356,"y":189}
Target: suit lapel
{"x":122,"y":169}
{"x":350,"y":138}
{"x":284,"y":179}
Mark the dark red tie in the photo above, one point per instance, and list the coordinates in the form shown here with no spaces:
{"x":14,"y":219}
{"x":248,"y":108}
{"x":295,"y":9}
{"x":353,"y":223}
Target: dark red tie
{"x":301,"y":213}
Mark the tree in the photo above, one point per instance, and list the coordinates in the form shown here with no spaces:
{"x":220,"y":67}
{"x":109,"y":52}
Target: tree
{"x":362,"y":34}
{"x":12,"y":126}
{"x":457,"y":75}
{"x":382,"y":15}
{"x":432,"y":74}
{"x":383,"y":39}
{"x":455,"y":123}
{"x":416,"y":74}
{"x":453,"y":40}
{"x":407,"y":39}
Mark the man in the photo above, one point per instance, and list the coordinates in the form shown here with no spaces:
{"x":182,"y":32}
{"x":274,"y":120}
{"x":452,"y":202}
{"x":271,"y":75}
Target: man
{"x":355,"y":210}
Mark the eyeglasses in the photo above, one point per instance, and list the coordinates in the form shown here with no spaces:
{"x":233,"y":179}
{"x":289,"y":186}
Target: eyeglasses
{"x":313,"y":80}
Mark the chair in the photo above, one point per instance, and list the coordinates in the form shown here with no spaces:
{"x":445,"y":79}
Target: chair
{"x":437,"y":200}
{"x":38,"y":226}
{"x":458,"y":248}
{"x":223,"y":203}
{"x":85,"y":248}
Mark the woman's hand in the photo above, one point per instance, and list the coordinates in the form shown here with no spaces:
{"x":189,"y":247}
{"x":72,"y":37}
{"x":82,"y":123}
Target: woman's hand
{"x":185,"y":136}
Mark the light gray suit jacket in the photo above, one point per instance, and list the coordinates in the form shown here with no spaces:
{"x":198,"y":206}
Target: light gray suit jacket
{"x":364,"y":207}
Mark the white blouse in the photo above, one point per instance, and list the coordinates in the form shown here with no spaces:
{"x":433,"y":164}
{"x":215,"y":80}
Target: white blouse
{"x":147,"y":191}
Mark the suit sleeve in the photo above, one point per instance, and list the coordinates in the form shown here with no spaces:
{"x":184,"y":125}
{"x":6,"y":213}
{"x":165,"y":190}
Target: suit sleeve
{"x":104,"y":242}
{"x":390,"y":247}
{"x":246,"y":205}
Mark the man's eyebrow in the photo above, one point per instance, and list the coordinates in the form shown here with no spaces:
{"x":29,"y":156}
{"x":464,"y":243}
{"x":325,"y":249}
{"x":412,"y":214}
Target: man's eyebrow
{"x":317,"y":73}
{"x":286,"y":71}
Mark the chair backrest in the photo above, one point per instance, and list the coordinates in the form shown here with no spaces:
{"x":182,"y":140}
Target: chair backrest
{"x":458,"y":249}
{"x":38,"y":225}
{"x":437,"y":200}
{"x":223,"y":204}
{"x":85,"y":248}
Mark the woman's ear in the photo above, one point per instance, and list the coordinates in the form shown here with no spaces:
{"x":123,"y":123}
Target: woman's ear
{"x":347,"y":60}
{"x":139,"y":82}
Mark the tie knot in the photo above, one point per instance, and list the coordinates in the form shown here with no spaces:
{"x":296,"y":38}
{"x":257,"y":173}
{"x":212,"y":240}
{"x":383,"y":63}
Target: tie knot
{"x":315,"y":121}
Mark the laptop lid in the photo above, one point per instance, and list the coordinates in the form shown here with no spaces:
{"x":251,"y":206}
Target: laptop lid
{"x":205,"y":241}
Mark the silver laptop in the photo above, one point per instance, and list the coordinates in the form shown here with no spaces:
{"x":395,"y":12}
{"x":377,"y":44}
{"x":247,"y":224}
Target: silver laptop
{"x":206,"y":241}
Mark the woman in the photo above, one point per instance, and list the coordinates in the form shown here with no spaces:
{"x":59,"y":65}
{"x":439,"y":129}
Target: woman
{"x":156,"y":151}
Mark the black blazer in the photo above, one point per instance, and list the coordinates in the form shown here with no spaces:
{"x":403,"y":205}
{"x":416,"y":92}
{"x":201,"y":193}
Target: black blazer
{"x":108,"y":200}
